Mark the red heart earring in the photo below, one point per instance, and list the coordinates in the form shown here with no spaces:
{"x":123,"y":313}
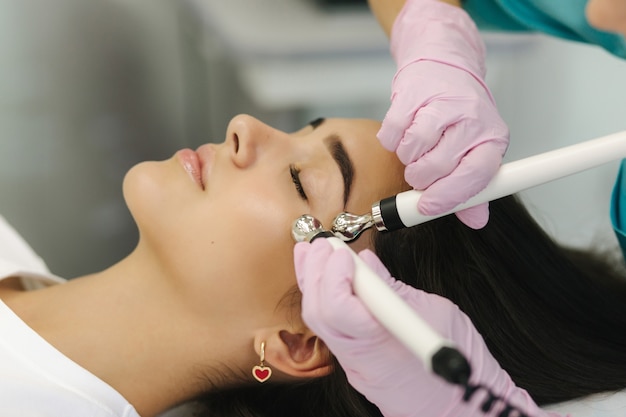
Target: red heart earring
{"x":261,"y":372}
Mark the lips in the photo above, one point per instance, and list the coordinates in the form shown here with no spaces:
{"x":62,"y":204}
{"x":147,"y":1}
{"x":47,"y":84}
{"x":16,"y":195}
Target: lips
{"x":192,"y":164}
{"x":206,"y":155}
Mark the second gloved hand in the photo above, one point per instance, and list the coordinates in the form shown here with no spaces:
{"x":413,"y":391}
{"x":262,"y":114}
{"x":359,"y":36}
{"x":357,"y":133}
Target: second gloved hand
{"x":377,"y":364}
{"x":443,"y":122}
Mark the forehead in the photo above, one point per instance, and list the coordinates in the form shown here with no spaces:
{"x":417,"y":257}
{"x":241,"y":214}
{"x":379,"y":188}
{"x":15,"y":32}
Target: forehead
{"x":377,"y":172}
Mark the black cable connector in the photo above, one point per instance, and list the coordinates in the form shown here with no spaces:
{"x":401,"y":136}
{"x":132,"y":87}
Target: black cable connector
{"x":451,"y":365}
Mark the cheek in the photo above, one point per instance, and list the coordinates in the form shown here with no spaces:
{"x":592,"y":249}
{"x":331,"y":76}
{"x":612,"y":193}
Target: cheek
{"x":246,"y":266}
{"x":232,"y":246}
{"x":234,"y":243}
{"x":261,"y":278}
{"x":245,"y":212}
{"x":251,"y":247}
{"x":249,"y":231}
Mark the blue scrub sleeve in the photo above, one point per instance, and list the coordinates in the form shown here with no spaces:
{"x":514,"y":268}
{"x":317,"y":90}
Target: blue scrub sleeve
{"x":618,"y":207}
{"x":560,"y":18}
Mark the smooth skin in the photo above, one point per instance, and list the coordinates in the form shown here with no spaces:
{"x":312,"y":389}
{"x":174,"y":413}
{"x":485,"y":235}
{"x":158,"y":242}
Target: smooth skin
{"x":608,"y":15}
{"x":207,"y":282}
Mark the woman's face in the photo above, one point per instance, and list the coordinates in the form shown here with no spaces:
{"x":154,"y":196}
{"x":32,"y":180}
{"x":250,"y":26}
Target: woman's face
{"x":218,"y":220}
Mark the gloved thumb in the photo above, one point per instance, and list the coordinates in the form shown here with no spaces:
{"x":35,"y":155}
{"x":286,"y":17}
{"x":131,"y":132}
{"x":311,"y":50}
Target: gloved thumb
{"x":373,"y":262}
{"x":475,"y":217}
{"x":379,"y":268}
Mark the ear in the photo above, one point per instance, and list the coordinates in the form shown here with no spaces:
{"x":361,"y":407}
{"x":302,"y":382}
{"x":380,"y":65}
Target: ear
{"x":300,"y":354}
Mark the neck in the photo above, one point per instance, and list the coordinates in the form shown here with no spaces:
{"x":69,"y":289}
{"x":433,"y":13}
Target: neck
{"x":122,"y":321}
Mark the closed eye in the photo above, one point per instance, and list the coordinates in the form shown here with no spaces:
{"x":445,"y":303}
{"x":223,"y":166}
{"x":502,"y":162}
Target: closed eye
{"x":295,"y":178}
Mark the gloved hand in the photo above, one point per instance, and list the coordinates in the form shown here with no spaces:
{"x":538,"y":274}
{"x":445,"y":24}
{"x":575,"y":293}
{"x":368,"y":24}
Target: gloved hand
{"x":443,"y":122}
{"x":377,"y":364}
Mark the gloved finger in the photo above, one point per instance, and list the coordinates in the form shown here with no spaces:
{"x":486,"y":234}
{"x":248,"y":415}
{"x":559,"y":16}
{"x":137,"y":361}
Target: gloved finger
{"x":473,"y":174}
{"x":344,"y":313}
{"x":423,"y":134}
{"x":455,"y":143}
{"x":420,"y":299}
{"x":307,"y":257}
{"x":307,"y":260}
{"x":399,"y":118}
{"x":435,"y":309}
{"x":475,"y":217}
{"x":372,"y":260}
{"x":313,"y":264}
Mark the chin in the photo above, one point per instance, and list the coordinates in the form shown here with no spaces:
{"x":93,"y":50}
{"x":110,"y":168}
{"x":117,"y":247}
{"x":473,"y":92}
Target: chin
{"x":160,"y":196}
{"x":144,"y":191}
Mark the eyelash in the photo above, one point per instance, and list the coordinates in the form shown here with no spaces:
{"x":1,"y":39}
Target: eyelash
{"x":295,"y":178}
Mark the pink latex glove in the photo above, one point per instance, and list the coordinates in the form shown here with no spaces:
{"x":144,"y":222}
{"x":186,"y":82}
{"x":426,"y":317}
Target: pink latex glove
{"x":377,"y":364}
{"x":443,"y":122}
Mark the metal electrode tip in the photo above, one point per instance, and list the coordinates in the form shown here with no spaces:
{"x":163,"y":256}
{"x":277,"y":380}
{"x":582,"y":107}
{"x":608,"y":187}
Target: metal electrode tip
{"x":306,"y":227}
{"x":348,"y":226}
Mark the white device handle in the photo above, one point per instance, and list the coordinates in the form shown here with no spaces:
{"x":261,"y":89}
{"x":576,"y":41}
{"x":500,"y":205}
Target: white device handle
{"x":392,"y":311}
{"x":525,"y":173}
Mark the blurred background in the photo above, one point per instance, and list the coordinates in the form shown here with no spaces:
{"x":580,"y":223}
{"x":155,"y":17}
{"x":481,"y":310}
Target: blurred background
{"x":88,"y":88}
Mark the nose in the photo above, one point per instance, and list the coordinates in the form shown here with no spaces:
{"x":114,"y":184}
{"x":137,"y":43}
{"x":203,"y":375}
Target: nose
{"x":247,"y":137}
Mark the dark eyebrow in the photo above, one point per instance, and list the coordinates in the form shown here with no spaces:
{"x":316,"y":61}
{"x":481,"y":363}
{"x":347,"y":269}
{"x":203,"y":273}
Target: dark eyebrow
{"x":341,"y":157}
{"x":316,"y":122}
